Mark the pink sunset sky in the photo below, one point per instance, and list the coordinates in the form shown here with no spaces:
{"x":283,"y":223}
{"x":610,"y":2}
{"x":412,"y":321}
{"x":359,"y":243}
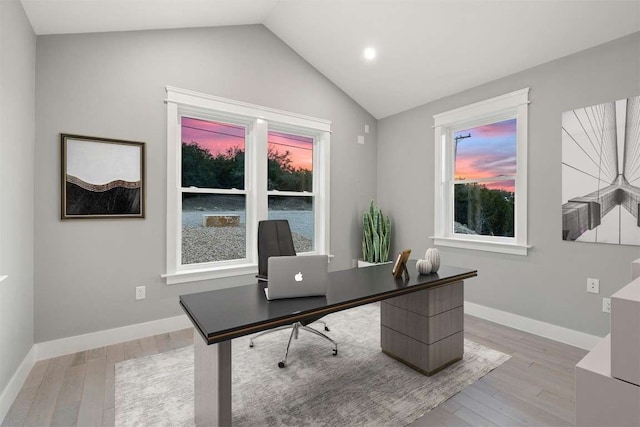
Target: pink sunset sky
{"x":489,"y":152}
{"x":217,"y":138}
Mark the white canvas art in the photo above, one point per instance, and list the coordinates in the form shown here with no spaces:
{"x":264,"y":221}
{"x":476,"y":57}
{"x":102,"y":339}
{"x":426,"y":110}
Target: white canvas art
{"x":601,"y":173}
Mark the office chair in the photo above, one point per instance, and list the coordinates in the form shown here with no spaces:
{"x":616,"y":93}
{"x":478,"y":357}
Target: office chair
{"x":275,"y":239}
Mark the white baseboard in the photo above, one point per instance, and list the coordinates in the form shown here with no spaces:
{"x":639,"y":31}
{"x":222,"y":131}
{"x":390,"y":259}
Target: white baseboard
{"x":12,"y":389}
{"x":536,"y":327}
{"x":60,"y":347}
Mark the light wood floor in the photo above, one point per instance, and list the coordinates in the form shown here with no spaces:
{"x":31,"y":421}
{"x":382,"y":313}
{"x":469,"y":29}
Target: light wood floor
{"x":535,"y":387}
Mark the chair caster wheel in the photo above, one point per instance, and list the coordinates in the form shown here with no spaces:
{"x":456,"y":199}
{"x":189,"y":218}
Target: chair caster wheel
{"x":335,"y":351}
{"x":326,"y":329}
{"x":281,"y":364}
{"x":251,"y":345}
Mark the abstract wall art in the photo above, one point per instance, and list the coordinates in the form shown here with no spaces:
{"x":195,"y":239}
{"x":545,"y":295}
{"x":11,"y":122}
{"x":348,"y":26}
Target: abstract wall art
{"x":601,"y":173}
{"x":101,"y":177}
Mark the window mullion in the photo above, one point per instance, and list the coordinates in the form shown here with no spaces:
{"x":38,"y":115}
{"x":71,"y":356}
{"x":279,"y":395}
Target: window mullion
{"x":257,"y":184}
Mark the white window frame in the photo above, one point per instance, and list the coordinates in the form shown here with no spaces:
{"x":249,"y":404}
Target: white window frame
{"x":508,"y":106}
{"x":257,"y":120}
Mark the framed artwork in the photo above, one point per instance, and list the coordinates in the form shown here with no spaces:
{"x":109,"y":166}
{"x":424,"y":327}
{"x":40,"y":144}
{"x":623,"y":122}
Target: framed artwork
{"x":101,"y":177}
{"x":601,"y":173}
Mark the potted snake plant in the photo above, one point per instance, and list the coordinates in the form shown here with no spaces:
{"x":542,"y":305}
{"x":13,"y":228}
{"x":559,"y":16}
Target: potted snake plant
{"x":376,"y":237}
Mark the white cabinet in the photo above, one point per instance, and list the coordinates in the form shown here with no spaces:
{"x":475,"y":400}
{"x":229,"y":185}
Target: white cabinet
{"x":608,"y":377}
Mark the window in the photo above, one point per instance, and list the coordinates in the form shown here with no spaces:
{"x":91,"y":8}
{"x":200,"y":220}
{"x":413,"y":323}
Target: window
{"x":481,"y":169}
{"x":230,"y":165}
{"x":290,"y":185}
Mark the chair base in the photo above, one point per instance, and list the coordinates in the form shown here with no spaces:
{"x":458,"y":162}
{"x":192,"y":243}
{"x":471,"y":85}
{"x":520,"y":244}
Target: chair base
{"x":296,"y":327}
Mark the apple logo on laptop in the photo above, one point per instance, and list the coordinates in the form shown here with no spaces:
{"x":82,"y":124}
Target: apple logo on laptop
{"x":298,"y":277}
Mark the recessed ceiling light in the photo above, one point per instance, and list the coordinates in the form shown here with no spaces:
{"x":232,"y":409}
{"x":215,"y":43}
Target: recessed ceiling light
{"x":369,"y":53}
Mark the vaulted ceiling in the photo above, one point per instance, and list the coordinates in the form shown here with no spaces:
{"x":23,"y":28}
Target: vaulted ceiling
{"x":425,"y":49}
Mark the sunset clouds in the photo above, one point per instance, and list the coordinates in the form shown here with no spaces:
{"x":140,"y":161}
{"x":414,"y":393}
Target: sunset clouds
{"x":218,"y":138}
{"x":300,"y":148}
{"x":490,"y":152}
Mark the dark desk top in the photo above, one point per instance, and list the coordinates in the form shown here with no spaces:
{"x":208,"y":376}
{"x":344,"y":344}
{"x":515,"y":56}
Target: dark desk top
{"x":224,"y":314}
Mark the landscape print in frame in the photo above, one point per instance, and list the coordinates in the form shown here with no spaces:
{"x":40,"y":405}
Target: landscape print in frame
{"x":601,"y":173}
{"x":101,"y":177}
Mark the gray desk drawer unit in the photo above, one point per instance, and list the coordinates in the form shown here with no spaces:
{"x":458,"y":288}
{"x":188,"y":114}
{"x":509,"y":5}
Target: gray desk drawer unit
{"x":424,"y":329}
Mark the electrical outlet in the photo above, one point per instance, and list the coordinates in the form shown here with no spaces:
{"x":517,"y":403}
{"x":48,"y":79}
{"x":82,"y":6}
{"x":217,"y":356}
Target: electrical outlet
{"x":140,"y":292}
{"x":606,"y":305}
{"x":593,"y":285}
{"x":366,"y":128}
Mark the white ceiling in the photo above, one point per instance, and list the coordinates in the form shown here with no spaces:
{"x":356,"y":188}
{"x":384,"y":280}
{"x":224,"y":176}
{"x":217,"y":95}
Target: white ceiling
{"x":427,"y":49}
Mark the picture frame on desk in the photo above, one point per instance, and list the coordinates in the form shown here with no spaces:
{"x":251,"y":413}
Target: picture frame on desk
{"x":400,"y":265}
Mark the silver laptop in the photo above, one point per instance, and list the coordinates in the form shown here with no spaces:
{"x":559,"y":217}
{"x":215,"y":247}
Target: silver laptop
{"x":297,"y":276}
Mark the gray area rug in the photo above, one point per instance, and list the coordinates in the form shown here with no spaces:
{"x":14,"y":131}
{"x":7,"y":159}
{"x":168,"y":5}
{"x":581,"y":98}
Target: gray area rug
{"x":359,"y":386}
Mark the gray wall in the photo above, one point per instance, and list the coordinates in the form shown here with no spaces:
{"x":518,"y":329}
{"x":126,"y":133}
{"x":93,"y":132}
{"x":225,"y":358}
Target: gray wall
{"x":550,"y":283}
{"x":112,"y":85}
{"x":17,"y":97}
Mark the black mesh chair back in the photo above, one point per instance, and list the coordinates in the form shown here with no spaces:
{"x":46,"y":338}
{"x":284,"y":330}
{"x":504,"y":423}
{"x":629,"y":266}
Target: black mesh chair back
{"x":274,"y":239}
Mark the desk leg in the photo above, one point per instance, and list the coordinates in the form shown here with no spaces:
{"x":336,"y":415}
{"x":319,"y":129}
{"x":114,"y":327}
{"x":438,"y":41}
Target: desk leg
{"x":212,"y":371}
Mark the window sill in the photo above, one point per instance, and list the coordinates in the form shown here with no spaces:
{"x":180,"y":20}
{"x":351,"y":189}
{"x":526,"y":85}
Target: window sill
{"x":505,"y":248}
{"x":196,"y":275}
{"x":186,"y":276}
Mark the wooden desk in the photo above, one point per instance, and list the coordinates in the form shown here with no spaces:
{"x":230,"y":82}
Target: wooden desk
{"x":423,"y":329}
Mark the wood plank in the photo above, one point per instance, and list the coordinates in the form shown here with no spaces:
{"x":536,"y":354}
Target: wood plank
{"x":79,"y":358}
{"x":44,"y":401}
{"x":504,"y":381}
{"x":472,"y":418}
{"x":148,"y":346}
{"x":92,"y":405}
{"x":114,"y":354}
{"x":439,"y":417}
{"x":109,"y":393}
{"x":450,"y":405}
{"x":487,"y":342}
{"x":66,"y":411}
{"x":132,"y":349}
{"x":557,"y":405}
{"x":20,"y":408}
{"x":66,"y":415}
{"x":486,"y":411}
{"x":96,"y":353}
{"x":181,"y":338}
{"x":163,"y":343}
{"x":549,"y":383}
{"x":525,"y":415}
{"x":545,"y":417}
{"x":485,"y":387}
